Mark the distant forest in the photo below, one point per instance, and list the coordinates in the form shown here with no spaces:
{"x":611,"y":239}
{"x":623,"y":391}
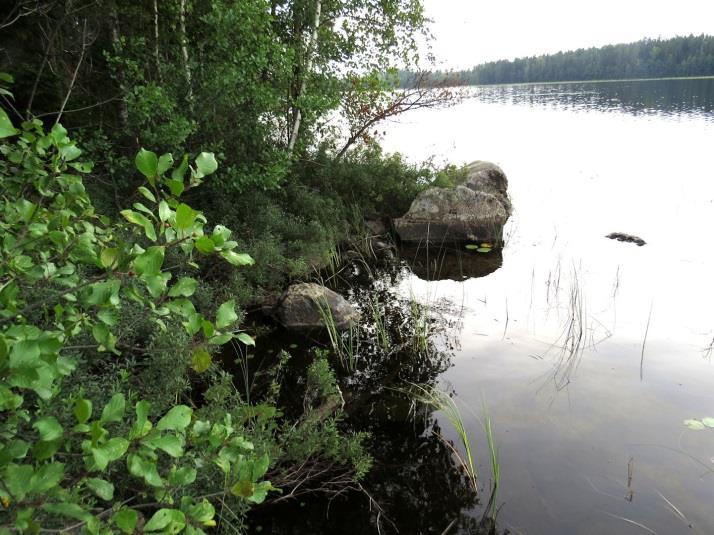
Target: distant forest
{"x":649,"y":58}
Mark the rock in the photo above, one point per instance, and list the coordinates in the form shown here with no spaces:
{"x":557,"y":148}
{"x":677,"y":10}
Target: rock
{"x":375,"y":227}
{"x":619,"y":236}
{"x":475,"y":211}
{"x":487,"y":177}
{"x":299,"y":308}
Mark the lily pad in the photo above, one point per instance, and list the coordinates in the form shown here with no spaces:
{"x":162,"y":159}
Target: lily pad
{"x":472,"y":247}
{"x":488,"y":245}
{"x":695,"y":425}
{"x":709,"y":422}
{"x":483,"y":250}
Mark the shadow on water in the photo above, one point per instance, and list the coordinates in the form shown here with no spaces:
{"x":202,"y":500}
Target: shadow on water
{"x":416,"y":484}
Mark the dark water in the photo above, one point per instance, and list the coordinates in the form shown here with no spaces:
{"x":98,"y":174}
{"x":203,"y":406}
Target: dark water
{"x":590,"y":433}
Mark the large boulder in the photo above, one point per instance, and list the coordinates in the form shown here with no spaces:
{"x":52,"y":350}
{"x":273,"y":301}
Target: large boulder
{"x":487,"y":177}
{"x":473,"y":211}
{"x":303,"y":307}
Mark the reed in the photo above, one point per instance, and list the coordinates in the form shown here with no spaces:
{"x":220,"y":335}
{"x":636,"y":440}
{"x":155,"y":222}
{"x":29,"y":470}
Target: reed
{"x":380,"y":325}
{"x":346,"y":346}
{"x":434,"y":397}
{"x":421,"y":328}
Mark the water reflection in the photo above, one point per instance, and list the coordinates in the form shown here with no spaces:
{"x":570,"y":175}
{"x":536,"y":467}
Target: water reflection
{"x":646,"y":97}
{"x":416,"y":485}
{"x":449,"y":262}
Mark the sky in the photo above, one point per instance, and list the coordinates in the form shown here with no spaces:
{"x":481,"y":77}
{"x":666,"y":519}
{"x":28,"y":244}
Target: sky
{"x":469,"y":32}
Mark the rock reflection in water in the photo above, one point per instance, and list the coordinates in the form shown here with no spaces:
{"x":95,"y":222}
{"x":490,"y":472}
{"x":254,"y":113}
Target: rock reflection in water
{"x":453,"y":262}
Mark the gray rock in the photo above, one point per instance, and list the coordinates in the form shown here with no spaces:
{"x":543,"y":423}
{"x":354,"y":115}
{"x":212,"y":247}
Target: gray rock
{"x":475,"y":211}
{"x":375,"y":227}
{"x":299,"y":308}
{"x":487,"y":177}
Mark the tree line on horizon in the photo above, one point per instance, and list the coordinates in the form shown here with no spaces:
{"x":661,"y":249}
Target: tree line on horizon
{"x":691,"y":55}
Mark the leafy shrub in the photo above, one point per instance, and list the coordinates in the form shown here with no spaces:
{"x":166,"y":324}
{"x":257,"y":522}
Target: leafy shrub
{"x":61,"y":454}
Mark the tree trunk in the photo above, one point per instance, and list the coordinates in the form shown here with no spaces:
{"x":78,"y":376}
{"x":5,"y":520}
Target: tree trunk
{"x":123,"y":108}
{"x":184,"y":53}
{"x":156,"y":41}
{"x":308,"y":67}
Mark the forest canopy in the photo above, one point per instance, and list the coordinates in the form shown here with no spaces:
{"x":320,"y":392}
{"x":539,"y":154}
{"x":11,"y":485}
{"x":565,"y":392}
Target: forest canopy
{"x":648,"y":58}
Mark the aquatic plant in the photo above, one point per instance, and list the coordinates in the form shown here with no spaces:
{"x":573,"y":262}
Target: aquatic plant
{"x":420,"y":326}
{"x":440,"y":400}
{"x":346,"y":347}
{"x":380,"y":325}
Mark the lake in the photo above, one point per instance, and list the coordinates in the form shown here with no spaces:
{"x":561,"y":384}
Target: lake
{"x":587,"y":354}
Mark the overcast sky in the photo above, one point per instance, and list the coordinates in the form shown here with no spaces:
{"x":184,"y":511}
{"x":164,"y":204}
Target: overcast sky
{"x":469,"y":32}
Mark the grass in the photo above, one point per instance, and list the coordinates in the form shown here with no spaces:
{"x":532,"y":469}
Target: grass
{"x":379,"y":320}
{"x":491,"y":509}
{"x":420,"y":326}
{"x":432,"y":396}
{"x":346,"y":347}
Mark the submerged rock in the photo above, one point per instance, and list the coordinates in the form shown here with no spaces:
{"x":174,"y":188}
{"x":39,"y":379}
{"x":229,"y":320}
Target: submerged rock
{"x":619,"y":236}
{"x":302,"y":306}
{"x":474,"y":211}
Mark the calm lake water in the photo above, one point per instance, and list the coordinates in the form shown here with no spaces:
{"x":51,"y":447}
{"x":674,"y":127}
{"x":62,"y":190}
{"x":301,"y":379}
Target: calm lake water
{"x":589,"y":427}
{"x":592,"y":442}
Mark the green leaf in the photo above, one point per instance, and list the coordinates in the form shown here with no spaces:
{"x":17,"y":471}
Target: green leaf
{"x":185,"y":216}
{"x":109,"y":257}
{"x":484,"y":250}
{"x":177,"y":419}
{"x":220,"y":235}
{"x":205,"y":245}
{"x":166,"y":521}
{"x":206,"y":164}
{"x":260,"y":492}
{"x":6,"y":128}
{"x":69,"y":152}
{"x":186,"y":287}
{"x":17,"y":477}
{"x":246,"y":339}
{"x":171,"y":444}
{"x":110,"y":451}
{"x":145,"y":469}
{"x":47,"y":477}
{"x":182,"y":476}
{"x":709,"y":422}
{"x":165,"y":163}
{"x":114,"y":410}
{"x":147,"y":162}
{"x":200,"y":360}
{"x":138,"y":219}
{"x":226,"y":314}
{"x":237,"y":259}
{"x":471,"y":247}
{"x":175,"y":186}
{"x":125,"y":519}
{"x":71,"y":510}
{"x":695,"y":425}
{"x":49,"y":428}
{"x":82,"y":410}
{"x":146,"y":193}
{"x":101,"y":488}
{"x":178,"y":173}
{"x":164,"y":211}
{"x":150,"y":261}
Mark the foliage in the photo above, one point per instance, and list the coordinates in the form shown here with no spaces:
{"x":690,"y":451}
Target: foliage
{"x":649,"y":58}
{"x":59,"y":457}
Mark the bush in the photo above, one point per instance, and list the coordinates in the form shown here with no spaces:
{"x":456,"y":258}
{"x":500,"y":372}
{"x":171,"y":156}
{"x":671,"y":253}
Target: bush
{"x":97,"y":321}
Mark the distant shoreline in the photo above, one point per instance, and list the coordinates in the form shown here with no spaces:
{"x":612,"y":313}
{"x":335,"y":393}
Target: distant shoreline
{"x":560,"y":82}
